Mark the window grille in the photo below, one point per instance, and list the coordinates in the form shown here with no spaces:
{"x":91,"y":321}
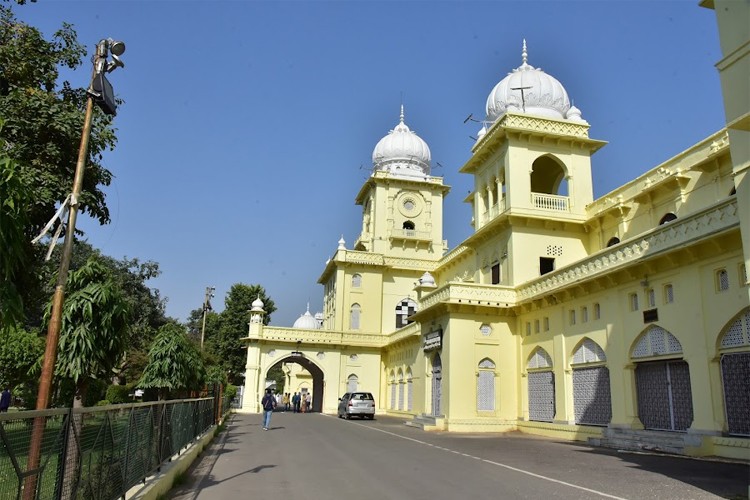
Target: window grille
{"x":536,"y":326}
{"x":633,"y":301}
{"x":572,"y":316}
{"x":584,"y":314}
{"x":354,"y":317}
{"x":722,"y":280}
{"x":540,"y":359}
{"x":738,"y":333}
{"x":651,"y":297}
{"x":351,"y":385}
{"x":546,"y":324}
{"x":656,"y":341}
{"x":356,"y":281}
{"x":597,"y":311}
{"x":588,"y":352}
{"x":528,"y":328}
{"x":668,"y":294}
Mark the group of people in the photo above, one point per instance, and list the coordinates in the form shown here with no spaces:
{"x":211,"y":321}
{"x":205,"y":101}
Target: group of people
{"x":299,"y":402}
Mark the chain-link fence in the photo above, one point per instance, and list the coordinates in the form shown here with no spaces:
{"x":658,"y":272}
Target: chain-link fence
{"x":96,"y":453}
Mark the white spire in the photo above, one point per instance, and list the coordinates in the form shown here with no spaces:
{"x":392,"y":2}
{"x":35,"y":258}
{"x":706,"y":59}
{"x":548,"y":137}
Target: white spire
{"x":524,"y":53}
{"x":402,"y":113}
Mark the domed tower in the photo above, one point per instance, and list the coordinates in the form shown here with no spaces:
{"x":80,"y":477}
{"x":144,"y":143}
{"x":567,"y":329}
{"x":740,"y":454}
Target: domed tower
{"x":402,"y":204}
{"x":532,"y":167}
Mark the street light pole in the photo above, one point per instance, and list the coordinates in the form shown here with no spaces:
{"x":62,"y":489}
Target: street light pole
{"x":206,"y":307}
{"x":101,"y":66}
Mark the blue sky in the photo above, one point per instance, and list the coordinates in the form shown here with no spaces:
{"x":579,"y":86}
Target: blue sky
{"x":248,"y":127}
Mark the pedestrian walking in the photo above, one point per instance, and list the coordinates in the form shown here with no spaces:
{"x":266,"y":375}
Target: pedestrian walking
{"x":308,"y":402}
{"x":5,"y":400}
{"x":303,"y":403}
{"x":268,"y":403}
{"x":296,"y":402}
{"x":286,"y":401}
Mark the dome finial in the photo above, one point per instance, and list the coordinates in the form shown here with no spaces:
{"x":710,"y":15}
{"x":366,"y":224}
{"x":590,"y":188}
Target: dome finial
{"x":402,"y":114}
{"x":524,"y":53}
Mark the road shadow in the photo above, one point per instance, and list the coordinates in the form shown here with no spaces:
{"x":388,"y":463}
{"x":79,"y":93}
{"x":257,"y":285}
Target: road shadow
{"x":721,"y":478}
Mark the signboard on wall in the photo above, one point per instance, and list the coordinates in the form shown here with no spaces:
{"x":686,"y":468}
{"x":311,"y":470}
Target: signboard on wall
{"x":433,"y":340}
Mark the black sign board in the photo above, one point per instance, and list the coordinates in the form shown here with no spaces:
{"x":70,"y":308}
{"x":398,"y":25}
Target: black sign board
{"x":103,"y":94}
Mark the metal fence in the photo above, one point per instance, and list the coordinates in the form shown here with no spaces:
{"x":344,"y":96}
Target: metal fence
{"x":97,"y":453}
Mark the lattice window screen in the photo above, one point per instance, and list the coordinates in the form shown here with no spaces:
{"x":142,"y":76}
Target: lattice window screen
{"x":486,"y":391}
{"x":401,"y":387}
{"x":540,"y":359}
{"x":738,"y":333}
{"x":588,"y":352}
{"x":393,"y":396}
{"x":656,"y":342}
{"x":410,"y":395}
{"x":352,"y":383}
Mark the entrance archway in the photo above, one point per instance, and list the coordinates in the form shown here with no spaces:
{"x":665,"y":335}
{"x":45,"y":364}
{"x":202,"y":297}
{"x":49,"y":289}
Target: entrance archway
{"x":316,"y":375}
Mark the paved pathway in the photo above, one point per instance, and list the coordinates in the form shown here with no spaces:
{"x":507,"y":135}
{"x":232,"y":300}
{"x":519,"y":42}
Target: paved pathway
{"x":316,"y":456}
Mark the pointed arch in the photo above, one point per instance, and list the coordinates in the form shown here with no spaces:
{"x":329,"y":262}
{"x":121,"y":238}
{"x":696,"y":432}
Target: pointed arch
{"x":487,"y":363}
{"x":352,"y":382}
{"x":409,"y":390}
{"x":588,"y":351}
{"x":736,"y":333}
{"x":655,"y":341}
{"x":668,"y":217}
{"x":539,"y":358}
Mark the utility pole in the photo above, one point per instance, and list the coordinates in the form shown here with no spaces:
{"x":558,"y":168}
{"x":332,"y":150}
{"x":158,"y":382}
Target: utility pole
{"x":99,"y":91}
{"x":206,"y":307}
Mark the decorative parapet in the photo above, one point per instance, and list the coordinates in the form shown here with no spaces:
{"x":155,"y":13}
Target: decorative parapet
{"x":470,"y":293}
{"x":675,"y":169}
{"x":546,"y":125}
{"x":328,"y":337}
{"x":453,"y":255}
{"x":367,"y":258}
{"x":405,"y":263}
{"x":410,"y":330}
{"x":675,"y":234}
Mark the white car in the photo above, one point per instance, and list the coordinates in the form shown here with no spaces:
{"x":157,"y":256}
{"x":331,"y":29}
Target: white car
{"x":361,"y":404}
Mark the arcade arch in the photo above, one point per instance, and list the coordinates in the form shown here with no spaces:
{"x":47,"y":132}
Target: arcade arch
{"x":307,"y":378}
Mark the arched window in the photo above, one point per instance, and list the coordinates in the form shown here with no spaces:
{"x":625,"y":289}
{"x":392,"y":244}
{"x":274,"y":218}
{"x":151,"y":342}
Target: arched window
{"x":356,"y":281}
{"x":548,"y":176}
{"x":613,"y":241}
{"x":404,"y":309}
{"x":408,"y":225}
{"x":541,"y":382}
{"x":351,"y":383}
{"x":486,"y":386}
{"x":393,"y":390}
{"x":734,"y":345}
{"x":592,"y":401}
{"x":656,"y":341}
{"x":667,"y":218}
{"x":354,"y":317}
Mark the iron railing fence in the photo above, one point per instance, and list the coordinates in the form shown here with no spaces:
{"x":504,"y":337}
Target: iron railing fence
{"x":97,"y":453}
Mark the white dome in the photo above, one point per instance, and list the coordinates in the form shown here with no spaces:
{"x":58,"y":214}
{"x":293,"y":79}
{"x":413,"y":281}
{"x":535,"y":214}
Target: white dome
{"x":402,"y":152}
{"x":257,"y":305}
{"x":542,"y":94}
{"x":427,"y":280}
{"x":307,"y":321}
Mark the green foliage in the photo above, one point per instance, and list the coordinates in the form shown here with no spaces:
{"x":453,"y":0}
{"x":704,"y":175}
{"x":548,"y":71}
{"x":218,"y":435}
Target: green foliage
{"x":20,"y":356}
{"x":44,"y":120}
{"x":95,"y":320}
{"x":15,"y":201}
{"x":119,"y":394}
{"x":103,"y":402}
{"x":233,"y":326}
{"x":231,"y":391}
{"x":215,"y":374}
{"x":174,"y":362}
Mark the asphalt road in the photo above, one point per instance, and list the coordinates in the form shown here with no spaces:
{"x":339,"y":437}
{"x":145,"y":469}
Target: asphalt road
{"x":314,"y":456}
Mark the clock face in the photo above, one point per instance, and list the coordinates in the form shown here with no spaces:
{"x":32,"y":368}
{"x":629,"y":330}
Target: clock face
{"x":410,"y":204}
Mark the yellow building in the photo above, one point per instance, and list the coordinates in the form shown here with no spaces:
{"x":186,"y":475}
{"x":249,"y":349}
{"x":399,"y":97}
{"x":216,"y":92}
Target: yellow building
{"x":623,"y":320}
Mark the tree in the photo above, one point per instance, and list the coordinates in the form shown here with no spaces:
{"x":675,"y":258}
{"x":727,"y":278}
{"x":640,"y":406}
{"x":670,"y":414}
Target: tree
{"x":42,"y":131}
{"x":234,"y":326}
{"x":15,"y":197}
{"x":94,"y":332}
{"x":174,"y":362}
{"x":20,"y":354}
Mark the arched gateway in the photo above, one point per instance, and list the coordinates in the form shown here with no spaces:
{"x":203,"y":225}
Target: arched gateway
{"x":292,"y":385}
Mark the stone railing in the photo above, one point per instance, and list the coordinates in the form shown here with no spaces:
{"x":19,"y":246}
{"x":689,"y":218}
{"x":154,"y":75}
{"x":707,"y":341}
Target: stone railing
{"x":675,"y":234}
{"x":470,"y":293}
{"x":561,"y":127}
{"x":550,"y":202}
{"x":363,"y":258}
{"x":493,"y":212}
{"x":411,"y":234}
{"x":329,"y":337}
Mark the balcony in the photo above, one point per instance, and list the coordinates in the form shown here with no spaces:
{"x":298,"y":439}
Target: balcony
{"x":550,"y":202}
{"x":410,"y":234}
{"x":493,"y":212}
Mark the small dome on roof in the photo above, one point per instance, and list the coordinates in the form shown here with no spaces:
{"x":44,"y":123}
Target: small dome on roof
{"x":307,"y":321}
{"x":427,"y":280}
{"x":257,"y":305}
{"x":402,"y":152}
{"x":529,"y":90}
